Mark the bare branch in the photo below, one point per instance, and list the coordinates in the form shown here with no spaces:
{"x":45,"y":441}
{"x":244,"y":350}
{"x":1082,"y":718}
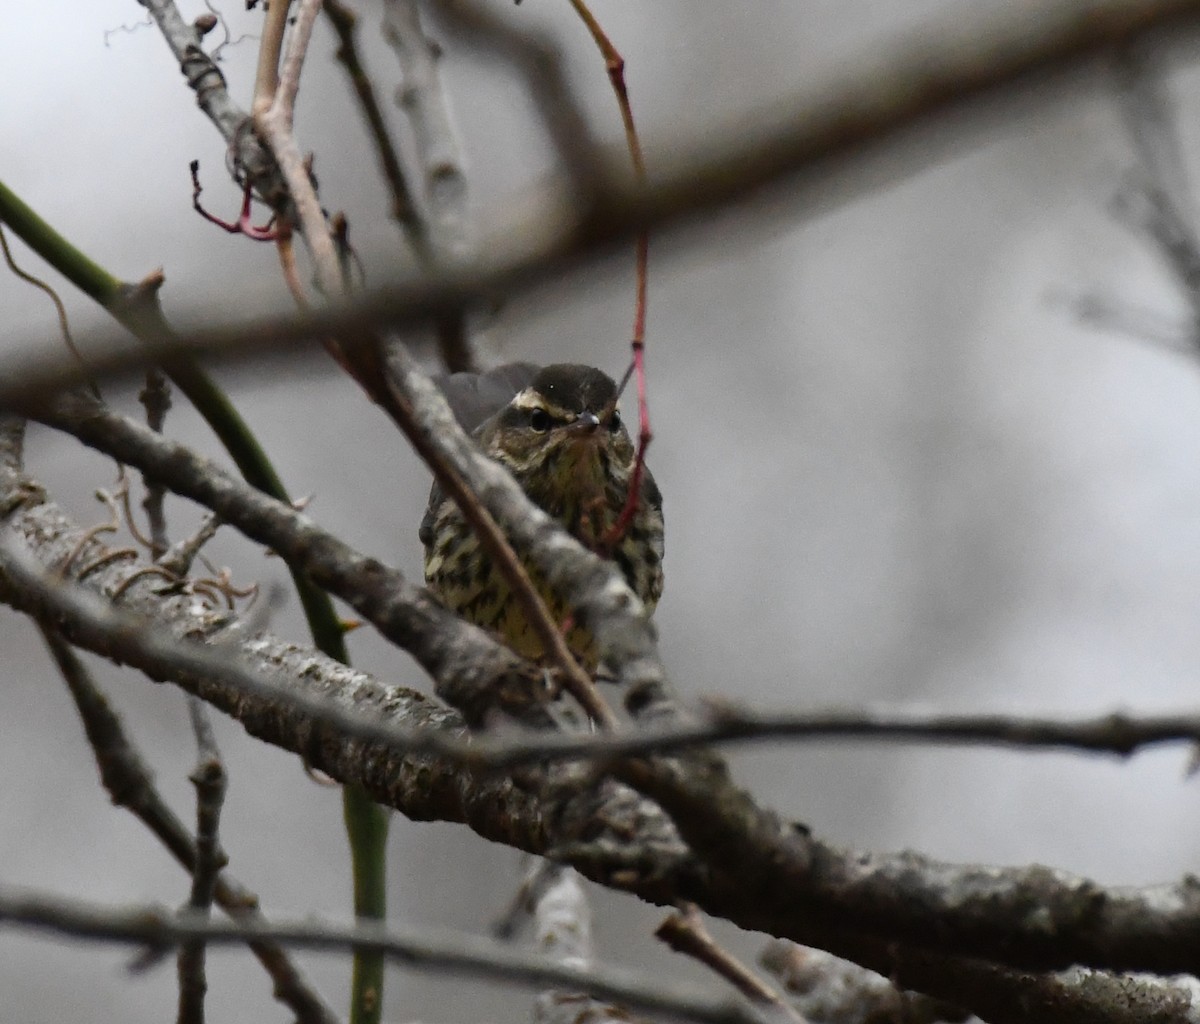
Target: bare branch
{"x":747,"y":866}
{"x":404,"y":210}
{"x":449,"y":953}
{"x":130,"y":784}
{"x":199,"y":669}
{"x":274,"y":122}
{"x":423,"y":99}
{"x":270,"y":46}
{"x":447,"y":228}
{"x":717,"y":722}
{"x":208,"y":83}
{"x":684,"y":932}
{"x":178,"y":558}
{"x":1004,"y":996}
{"x":911,"y":87}
{"x":592,"y":587}
{"x":563,"y":931}
{"x":209,"y":780}
{"x":836,"y":991}
{"x":156,"y":397}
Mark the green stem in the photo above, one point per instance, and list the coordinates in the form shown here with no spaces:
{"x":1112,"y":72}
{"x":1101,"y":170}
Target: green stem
{"x":87,"y":276}
{"x":137,"y":308}
{"x":367,"y":829}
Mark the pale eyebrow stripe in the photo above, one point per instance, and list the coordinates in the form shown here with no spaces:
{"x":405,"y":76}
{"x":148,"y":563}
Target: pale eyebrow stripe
{"x":529,"y":400}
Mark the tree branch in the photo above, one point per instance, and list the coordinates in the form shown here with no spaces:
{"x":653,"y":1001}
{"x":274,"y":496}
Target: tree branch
{"x":205,"y":79}
{"x":447,"y":953}
{"x":129,"y":784}
{"x":467,"y":664}
{"x":274,"y":122}
{"x":912,"y":86}
{"x":404,"y":209}
{"x":591,"y":586}
{"x":427,"y":107}
{"x":894,"y":913}
{"x":210,"y":781}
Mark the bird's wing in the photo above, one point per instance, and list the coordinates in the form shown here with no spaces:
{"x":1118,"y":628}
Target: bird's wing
{"x":474,"y":399}
{"x":650,"y":490}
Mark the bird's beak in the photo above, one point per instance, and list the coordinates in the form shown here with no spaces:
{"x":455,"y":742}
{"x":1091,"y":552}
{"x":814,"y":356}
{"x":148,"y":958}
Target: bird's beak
{"x":585,"y":425}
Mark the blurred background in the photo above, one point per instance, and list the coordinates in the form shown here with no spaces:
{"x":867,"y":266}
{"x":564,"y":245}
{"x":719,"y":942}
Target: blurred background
{"x":898,"y":466}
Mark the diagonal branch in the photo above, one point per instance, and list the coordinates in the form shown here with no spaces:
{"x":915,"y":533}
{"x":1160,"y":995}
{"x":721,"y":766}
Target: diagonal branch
{"x":404,"y":208}
{"x":808,"y":139}
{"x":130,"y":784}
{"x":206,"y":80}
{"x":469,"y":666}
{"x":894,"y":913}
{"x":592,"y":587}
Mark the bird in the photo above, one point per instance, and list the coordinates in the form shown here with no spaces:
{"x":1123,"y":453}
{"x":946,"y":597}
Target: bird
{"x":559,"y":433}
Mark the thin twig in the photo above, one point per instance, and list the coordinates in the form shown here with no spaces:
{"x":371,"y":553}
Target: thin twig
{"x":156,"y":397}
{"x":274,"y":120}
{"x":209,"y":780}
{"x":130,"y":784}
{"x":615,"y":65}
{"x":244,"y":225}
{"x":419,"y":949}
{"x":900,"y":92}
{"x":345,"y":22}
{"x":684,"y":932}
{"x":177,"y":559}
{"x":411,"y":389}
{"x":270,"y":46}
{"x":1120,"y":734}
{"x":64,"y":324}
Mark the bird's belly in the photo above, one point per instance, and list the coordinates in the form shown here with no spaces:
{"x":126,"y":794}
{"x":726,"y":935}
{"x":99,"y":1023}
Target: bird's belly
{"x":466,"y":580}
{"x":468,"y":583}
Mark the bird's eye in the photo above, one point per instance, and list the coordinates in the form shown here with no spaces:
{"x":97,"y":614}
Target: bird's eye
{"x":539,"y":420}
{"x":614,"y":422}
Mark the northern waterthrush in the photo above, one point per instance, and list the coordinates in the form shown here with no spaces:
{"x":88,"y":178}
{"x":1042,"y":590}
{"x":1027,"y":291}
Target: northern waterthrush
{"x":558,"y":431}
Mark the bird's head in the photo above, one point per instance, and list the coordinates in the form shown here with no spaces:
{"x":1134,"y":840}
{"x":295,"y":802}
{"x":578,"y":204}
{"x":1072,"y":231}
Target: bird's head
{"x":562,"y":434}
